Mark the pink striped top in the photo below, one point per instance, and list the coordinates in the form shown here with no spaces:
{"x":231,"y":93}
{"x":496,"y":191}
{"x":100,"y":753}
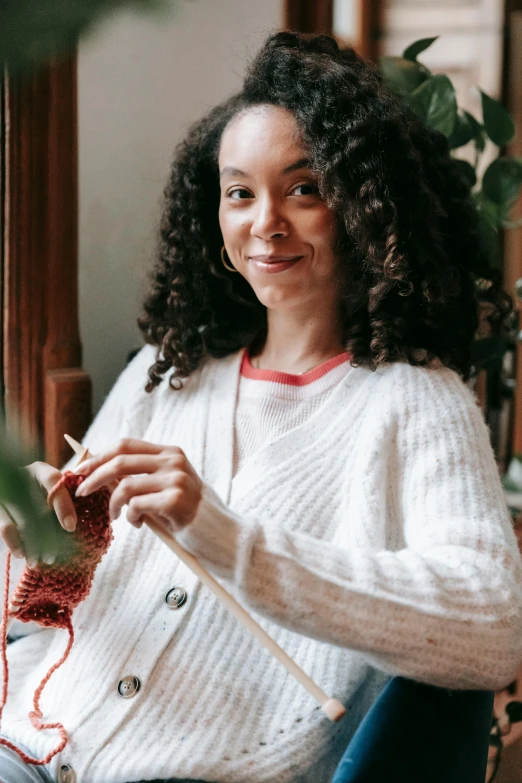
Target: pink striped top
{"x":248,"y":371}
{"x":283,"y":401}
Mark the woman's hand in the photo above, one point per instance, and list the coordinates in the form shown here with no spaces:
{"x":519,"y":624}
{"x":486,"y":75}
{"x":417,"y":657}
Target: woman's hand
{"x":13,"y":526}
{"x":158,"y":481}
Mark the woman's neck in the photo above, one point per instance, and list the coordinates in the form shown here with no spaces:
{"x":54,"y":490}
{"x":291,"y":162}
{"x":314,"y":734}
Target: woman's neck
{"x":295,"y":361}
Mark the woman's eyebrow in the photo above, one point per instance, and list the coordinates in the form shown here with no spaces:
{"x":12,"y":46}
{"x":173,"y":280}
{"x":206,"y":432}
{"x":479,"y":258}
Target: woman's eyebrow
{"x":233,"y":172}
{"x":302,"y":163}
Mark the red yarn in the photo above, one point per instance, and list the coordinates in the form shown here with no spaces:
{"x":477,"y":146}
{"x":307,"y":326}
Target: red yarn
{"x":47,"y":594}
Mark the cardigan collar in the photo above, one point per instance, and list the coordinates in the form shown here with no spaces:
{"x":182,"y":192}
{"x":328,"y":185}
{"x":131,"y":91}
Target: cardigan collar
{"x":221,"y":378}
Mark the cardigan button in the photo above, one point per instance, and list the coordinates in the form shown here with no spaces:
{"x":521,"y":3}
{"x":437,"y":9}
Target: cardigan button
{"x":175,"y":597}
{"x":128,"y":687}
{"x":66,"y":774}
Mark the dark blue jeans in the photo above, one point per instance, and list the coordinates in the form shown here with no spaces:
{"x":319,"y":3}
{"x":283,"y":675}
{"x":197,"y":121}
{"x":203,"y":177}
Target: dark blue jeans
{"x":416,"y":733}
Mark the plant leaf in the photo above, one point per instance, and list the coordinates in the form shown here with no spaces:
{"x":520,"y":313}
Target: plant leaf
{"x":463,"y":132}
{"x":400,"y":75}
{"x":436,"y":102}
{"x":502,"y":180}
{"x":467,"y":129}
{"x":417,"y":47}
{"x":488,"y":220}
{"x":479,"y":132}
{"x":497,"y":120}
{"x":32,"y":31}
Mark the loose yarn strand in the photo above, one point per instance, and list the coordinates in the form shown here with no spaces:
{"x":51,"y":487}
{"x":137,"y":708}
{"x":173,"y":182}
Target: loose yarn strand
{"x":36,"y":714}
{"x":47,"y":594}
{"x":3,"y":631}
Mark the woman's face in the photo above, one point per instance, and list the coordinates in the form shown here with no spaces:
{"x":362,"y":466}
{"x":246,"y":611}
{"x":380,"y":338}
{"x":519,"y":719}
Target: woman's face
{"x":270,"y":210}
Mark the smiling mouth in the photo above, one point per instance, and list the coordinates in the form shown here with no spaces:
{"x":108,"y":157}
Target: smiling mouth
{"x":274,"y":259}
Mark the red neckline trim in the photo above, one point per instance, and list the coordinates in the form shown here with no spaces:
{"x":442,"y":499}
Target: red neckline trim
{"x":276,"y":376}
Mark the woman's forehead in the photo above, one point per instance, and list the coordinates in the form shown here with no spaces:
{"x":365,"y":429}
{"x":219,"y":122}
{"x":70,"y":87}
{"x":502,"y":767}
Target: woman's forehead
{"x":261,"y":133}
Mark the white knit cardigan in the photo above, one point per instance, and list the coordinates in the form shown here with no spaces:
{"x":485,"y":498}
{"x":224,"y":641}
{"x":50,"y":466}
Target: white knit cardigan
{"x":370,"y":541}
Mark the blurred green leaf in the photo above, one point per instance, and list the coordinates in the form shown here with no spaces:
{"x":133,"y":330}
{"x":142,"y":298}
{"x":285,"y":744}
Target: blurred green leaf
{"x":42,"y":535}
{"x":401,"y":75}
{"x":436,"y":102}
{"x":479,"y":136}
{"x":502,"y":181}
{"x":489,"y":218}
{"x":467,"y":129}
{"x":414,"y":49}
{"x":463,"y":132}
{"x":497,"y":120}
{"x":31,"y":31}
{"x":510,"y":485}
{"x":495,"y":214}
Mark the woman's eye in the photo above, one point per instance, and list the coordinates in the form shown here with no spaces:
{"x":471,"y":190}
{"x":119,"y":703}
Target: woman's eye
{"x":239,"y":194}
{"x":306,"y":188}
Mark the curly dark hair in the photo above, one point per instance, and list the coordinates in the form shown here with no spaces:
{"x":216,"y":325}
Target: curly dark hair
{"x":416,"y":266}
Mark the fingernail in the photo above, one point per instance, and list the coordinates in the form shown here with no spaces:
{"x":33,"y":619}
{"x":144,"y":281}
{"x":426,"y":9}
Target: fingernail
{"x":69,"y":523}
{"x":32,"y":562}
{"x":48,"y":559}
{"x":79,"y":469}
{"x":19,"y":553}
{"x":80,"y":492}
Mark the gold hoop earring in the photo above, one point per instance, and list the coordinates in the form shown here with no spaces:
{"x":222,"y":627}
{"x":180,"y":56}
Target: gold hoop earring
{"x":230,"y":268}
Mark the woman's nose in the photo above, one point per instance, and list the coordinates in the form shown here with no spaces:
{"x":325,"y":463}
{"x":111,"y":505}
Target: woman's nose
{"x":269,"y":220}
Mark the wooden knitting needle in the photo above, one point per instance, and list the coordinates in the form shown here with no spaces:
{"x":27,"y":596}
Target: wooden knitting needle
{"x":332,"y":708}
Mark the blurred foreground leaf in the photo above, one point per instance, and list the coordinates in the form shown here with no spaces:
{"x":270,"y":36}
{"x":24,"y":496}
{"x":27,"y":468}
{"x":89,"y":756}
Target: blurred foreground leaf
{"x":42,"y":535}
{"x":31,"y":31}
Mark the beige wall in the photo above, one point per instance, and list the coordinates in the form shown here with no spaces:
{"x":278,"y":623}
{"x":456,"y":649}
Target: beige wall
{"x":141,"y":82}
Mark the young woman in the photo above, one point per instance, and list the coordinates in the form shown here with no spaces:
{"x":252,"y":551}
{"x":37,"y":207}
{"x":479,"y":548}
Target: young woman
{"x":299,"y":419}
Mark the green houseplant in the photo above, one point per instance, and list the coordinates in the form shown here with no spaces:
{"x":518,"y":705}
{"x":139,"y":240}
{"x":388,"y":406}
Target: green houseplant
{"x":496,"y":191}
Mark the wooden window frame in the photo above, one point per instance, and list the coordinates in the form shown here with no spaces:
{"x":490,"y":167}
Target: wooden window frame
{"x":316,"y":16}
{"x":309,"y":16}
{"x":45,"y":392}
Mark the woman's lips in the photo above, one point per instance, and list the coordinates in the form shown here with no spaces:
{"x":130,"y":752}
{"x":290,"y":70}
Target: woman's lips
{"x":272,"y":264}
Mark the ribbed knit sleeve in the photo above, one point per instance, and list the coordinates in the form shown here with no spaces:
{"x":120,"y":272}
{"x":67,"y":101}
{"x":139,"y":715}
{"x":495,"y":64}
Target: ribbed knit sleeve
{"x":445,"y":607}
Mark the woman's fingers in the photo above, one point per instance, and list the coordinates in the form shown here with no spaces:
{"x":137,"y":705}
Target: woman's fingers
{"x":63,"y":505}
{"x":131,"y":487}
{"x":124,"y":446}
{"x":152,"y":505}
{"x":127,"y":465}
{"x":10,"y":534}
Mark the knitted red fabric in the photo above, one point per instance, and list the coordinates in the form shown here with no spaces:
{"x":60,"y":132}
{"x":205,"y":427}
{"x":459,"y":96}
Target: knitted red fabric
{"x":47,"y":594}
